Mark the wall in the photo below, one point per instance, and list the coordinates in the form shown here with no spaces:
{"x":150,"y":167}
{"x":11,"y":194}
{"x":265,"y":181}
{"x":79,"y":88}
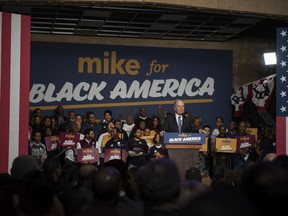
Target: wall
{"x":248,"y":62}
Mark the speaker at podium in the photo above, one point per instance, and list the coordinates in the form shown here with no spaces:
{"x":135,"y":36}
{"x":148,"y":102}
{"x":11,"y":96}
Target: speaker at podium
{"x":183,"y":149}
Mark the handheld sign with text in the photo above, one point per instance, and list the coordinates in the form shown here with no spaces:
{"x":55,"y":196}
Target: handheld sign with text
{"x":90,"y":155}
{"x":69,"y":139}
{"x":149,"y":140}
{"x":226,"y":145}
{"x":184,"y":138}
{"x":245,"y":141}
{"x":51,"y":142}
{"x":115,"y":153}
{"x":204,"y":147}
{"x":253,"y":131}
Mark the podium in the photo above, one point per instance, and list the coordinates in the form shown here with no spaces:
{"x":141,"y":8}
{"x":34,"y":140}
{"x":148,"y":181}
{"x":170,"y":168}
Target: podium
{"x":183,"y":149}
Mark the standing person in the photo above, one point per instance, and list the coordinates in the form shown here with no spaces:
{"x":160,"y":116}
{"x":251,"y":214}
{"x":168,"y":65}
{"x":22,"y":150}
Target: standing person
{"x":91,"y":123}
{"x":142,"y":116}
{"x":129,"y":124}
{"x":122,"y":133}
{"x":107,"y":118}
{"x":246,"y":154}
{"x":38,"y":149}
{"x":59,"y":115}
{"x":177,"y":122}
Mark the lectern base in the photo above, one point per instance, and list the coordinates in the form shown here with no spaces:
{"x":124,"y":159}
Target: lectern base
{"x":185,"y":156}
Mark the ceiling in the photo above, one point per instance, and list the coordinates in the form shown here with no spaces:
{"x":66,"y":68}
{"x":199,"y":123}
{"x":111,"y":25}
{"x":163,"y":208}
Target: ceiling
{"x":144,"y":21}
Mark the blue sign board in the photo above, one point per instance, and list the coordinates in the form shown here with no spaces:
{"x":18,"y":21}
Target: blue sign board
{"x":184,"y":138}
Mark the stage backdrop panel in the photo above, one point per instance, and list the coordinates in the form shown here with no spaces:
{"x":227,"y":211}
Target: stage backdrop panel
{"x":88,"y":77}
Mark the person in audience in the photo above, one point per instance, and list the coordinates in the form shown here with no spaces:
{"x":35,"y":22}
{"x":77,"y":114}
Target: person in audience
{"x":106,"y":185}
{"x":37,"y":197}
{"x":107,"y":118}
{"x":129,"y":124}
{"x":155,"y":125}
{"x":77,"y":198}
{"x":138,"y":149}
{"x":232,"y":129}
{"x":116,"y":142}
{"x":91,"y":123}
{"x":122,"y":133}
{"x":159,"y":187}
{"x":52,"y":170}
{"x":38,"y":149}
{"x":125,"y":205}
{"x":197,"y":123}
{"x":205,"y":158}
{"x":158,"y":150}
{"x":191,"y":189}
{"x":70,"y":118}
{"x":219,"y":122}
{"x":142,"y":116}
{"x":246,"y":153}
{"x":59,"y":115}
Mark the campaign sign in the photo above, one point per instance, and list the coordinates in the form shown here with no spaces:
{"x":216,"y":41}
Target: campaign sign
{"x":253,"y":131}
{"x":204,"y":147}
{"x":69,"y":139}
{"x":184,"y":138}
{"x":226,"y":145}
{"x":51,"y":142}
{"x":115,"y":153}
{"x":245,"y":141}
{"x":88,"y":155}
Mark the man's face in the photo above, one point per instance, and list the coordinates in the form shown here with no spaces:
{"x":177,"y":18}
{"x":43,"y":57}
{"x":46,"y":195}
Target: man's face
{"x":91,"y":135}
{"x":143,"y":112}
{"x":91,"y":118}
{"x":179,"y":107}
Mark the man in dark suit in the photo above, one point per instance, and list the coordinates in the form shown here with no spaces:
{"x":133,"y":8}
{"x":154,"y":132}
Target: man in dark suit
{"x":177,"y":122}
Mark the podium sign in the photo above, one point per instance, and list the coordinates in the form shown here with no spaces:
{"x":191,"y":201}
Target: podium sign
{"x":184,"y":138}
{"x":89,"y":155}
{"x":226,"y":145}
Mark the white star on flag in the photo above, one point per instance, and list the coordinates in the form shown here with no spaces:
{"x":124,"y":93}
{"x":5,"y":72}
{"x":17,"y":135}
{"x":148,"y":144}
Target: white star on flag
{"x":283,"y":78}
{"x":283,"y":33}
{"x":283,"y":63}
{"x":283,"y":109}
{"x":283,"y":48}
{"x":283,"y":93}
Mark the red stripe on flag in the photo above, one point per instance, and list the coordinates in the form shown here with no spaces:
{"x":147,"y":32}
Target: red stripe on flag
{"x":5,"y":90}
{"x":281,"y":135}
{"x":24,"y":84}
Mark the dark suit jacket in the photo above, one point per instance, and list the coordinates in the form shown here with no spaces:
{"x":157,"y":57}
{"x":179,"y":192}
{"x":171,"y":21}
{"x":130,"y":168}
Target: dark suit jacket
{"x":170,"y":124}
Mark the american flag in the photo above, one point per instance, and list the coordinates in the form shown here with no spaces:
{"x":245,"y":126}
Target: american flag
{"x":14,"y":87}
{"x":282,"y":90}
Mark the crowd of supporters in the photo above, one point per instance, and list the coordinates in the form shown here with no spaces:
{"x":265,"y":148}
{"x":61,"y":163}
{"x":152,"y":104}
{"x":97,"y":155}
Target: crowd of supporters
{"x":250,"y":181}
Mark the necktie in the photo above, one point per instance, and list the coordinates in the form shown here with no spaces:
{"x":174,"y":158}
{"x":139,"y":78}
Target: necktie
{"x":179,"y":124}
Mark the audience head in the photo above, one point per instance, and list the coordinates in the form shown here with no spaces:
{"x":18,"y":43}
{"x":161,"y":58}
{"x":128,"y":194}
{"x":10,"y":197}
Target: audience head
{"x":86,"y":171}
{"x":158,"y":182}
{"x":37,"y":196}
{"x":22,"y":165}
{"x":106,"y":184}
{"x":193,"y":173}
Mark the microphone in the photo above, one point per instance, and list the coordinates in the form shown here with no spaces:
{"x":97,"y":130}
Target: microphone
{"x":186,"y":124}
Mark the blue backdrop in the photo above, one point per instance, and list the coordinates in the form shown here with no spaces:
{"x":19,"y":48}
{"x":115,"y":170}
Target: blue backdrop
{"x":89,"y":77}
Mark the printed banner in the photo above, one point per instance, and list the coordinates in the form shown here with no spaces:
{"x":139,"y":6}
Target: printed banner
{"x":90,"y":77}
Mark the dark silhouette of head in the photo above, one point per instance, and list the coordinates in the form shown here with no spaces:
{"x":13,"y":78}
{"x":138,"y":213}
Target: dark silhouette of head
{"x":22,"y":165}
